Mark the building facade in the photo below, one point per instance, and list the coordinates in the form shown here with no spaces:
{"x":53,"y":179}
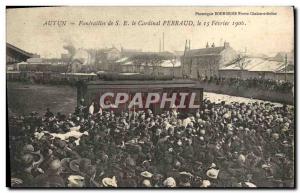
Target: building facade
{"x":206,"y":62}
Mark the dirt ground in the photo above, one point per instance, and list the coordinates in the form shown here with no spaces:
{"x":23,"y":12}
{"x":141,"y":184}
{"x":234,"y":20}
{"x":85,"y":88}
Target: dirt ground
{"x":23,"y":98}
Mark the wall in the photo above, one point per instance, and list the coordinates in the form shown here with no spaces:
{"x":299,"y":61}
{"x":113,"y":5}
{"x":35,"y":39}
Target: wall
{"x":127,"y":68}
{"x":255,"y":93}
{"x":230,"y":73}
{"x":289,"y":76}
{"x":168,"y":71}
{"x":207,"y":65}
{"x":252,"y":74}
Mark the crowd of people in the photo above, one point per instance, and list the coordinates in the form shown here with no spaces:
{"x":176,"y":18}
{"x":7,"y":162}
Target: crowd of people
{"x":261,"y":83}
{"x":61,"y":78}
{"x":220,"y":145}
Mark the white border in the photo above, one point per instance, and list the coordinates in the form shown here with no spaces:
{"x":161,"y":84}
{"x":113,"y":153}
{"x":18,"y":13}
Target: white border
{"x":153,"y":2}
{"x":3,"y":3}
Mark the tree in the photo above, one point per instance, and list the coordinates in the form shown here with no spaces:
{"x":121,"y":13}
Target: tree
{"x":240,"y":62}
{"x":150,"y":60}
{"x":173,"y":61}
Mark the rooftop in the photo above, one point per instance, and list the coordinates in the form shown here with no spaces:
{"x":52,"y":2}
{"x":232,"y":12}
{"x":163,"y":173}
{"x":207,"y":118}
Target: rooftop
{"x":204,"y":51}
{"x":257,"y":64}
{"x":10,"y":46}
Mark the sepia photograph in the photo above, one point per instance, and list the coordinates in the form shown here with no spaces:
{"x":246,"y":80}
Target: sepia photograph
{"x":150,"y":97}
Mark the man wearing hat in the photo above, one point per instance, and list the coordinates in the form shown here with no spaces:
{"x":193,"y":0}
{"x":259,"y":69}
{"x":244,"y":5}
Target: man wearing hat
{"x":157,"y":180}
{"x":146,"y":179}
{"x":51,"y":178}
{"x":24,"y":174}
{"x":212,"y":174}
{"x":185,"y":179}
{"x":169,"y":182}
{"x":109,"y":182}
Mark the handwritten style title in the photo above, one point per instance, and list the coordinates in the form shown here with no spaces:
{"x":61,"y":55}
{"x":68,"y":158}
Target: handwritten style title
{"x":142,"y":23}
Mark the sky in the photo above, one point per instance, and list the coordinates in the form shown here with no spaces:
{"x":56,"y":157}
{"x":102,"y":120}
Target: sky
{"x":261,"y":34}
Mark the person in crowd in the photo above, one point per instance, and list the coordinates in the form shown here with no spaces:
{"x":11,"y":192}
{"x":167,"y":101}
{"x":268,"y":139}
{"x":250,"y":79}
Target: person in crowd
{"x":262,"y":83}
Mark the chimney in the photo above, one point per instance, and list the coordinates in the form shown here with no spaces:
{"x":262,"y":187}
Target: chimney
{"x":159,"y":45}
{"x":163,"y":42}
{"x":185,"y":47}
{"x":226,"y":44}
{"x":213,"y":45}
{"x":207,"y":46}
{"x":186,"y":44}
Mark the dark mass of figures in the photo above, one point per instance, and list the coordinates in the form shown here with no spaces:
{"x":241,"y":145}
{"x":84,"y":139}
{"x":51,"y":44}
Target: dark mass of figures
{"x":219,"y":145}
{"x":260,"y":83}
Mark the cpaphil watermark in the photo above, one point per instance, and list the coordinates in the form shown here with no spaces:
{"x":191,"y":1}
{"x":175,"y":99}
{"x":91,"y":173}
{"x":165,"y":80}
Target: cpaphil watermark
{"x":180,"y":100}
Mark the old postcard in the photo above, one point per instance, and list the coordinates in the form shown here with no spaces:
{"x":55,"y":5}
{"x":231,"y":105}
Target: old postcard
{"x":150,"y":97}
